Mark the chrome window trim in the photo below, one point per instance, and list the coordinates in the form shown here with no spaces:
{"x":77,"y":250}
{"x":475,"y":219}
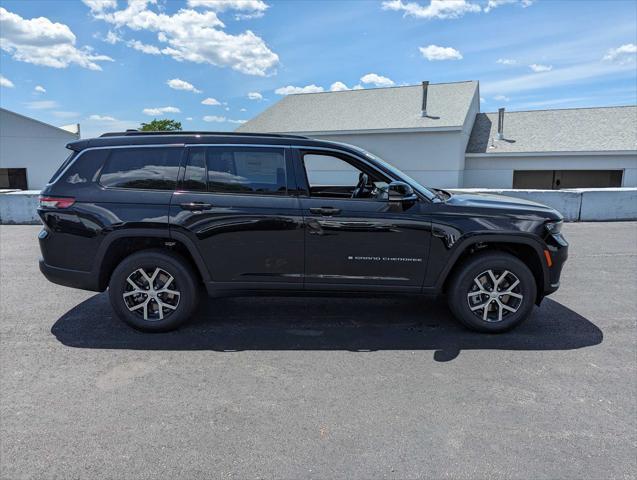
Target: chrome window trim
{"x":261,"y":145}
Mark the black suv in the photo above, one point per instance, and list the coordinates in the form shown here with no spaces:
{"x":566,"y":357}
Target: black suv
{"x":154,"y":216}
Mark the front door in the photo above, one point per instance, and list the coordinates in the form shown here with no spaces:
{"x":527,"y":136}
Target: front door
{"x":237,"y":205}
{"x":354,"y":236}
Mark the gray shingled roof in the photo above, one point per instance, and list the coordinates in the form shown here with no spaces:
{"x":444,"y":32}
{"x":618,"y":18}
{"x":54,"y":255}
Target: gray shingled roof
{"x":369,"y":109}
{"x":569,"y":130}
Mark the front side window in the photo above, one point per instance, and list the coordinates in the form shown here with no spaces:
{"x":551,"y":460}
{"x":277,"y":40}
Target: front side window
{"x":251,"y":170}
{"x":330,"y":176}
{"x":144,"y":168}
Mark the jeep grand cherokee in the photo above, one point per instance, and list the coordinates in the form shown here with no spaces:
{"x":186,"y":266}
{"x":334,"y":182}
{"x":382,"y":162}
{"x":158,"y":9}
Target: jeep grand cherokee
{"x":153,"y":217}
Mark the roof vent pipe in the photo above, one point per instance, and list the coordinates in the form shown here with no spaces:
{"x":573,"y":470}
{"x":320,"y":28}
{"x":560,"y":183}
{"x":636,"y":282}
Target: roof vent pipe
{"x":425,"y":86}
{"x":500,"y":134}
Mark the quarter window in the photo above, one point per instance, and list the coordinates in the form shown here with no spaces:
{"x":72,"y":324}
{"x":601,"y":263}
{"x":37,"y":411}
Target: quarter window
{"x":143,"y":168}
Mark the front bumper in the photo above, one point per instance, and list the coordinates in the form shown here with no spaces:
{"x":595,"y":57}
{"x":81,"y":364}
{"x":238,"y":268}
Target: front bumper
{"x":557,"y":247}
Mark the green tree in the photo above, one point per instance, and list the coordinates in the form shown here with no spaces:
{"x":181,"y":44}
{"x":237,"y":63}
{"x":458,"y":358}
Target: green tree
{"x":163,"y":125}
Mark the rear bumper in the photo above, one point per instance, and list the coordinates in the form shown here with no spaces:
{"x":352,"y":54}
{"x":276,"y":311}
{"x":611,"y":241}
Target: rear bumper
{"x":69,"y":278}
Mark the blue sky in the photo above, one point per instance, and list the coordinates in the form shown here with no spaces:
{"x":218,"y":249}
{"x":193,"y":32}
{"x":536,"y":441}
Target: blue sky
{"x":109,"y":65}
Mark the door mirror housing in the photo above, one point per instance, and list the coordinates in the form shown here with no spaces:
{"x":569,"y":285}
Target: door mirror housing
{"x":400,"y":192}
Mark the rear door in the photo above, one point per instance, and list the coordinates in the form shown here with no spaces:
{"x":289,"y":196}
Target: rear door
{"x":238,"y":204}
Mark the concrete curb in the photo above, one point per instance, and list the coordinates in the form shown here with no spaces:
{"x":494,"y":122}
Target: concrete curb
{"x":581,"y":204}
{"x":19,"y":207}
{"x":578,"y":204}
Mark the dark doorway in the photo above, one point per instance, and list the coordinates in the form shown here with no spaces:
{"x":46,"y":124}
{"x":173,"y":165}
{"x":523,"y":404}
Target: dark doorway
{"x":13,"y":178}
{"x":558,"y":179}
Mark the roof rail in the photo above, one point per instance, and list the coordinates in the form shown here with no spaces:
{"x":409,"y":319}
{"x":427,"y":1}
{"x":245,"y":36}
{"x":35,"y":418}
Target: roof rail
{"x":139,"y":133}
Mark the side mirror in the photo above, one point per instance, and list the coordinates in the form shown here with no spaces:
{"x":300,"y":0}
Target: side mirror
{"x":399,"y":192}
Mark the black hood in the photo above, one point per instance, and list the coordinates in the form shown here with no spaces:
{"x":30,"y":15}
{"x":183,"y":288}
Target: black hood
{"x":502,"y":203}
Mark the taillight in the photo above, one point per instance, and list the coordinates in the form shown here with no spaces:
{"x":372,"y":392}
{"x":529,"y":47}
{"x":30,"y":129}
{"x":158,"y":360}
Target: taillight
{"x":56,"y":202}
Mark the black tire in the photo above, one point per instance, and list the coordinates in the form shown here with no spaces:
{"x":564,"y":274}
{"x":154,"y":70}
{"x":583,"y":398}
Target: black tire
{"x":463,"y":284}
{"x":178,"y":308}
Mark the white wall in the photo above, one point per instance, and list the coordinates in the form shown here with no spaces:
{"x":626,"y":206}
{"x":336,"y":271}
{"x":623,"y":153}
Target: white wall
{"x":27,"y":143}
{"x":497,"y":171}
{"x":432,"y":158}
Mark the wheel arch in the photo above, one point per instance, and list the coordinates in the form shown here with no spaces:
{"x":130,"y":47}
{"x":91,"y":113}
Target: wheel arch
{"x":528,"y":250}
{"x":120,"y":244}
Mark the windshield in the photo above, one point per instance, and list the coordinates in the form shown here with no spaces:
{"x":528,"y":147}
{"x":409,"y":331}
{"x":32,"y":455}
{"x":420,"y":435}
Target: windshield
{"x":393,"y":170}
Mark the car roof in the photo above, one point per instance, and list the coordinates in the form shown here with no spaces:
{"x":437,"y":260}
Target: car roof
{"x":193,"y":138}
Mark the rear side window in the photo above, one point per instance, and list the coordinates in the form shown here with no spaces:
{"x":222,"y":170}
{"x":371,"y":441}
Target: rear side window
{"x":143,"y":168}
{"x":246,"y":170}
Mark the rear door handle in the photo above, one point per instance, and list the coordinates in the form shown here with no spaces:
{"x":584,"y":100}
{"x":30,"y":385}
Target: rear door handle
{"x":327,"y":211}
{"x":195,"y":206}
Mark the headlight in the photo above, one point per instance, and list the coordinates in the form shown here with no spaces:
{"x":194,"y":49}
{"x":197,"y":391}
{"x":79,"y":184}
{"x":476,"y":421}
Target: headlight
{"x":554,"y":227}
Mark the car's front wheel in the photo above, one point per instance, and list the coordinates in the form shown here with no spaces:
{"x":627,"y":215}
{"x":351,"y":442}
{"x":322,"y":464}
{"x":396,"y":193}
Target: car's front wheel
{"x":492,"y":292}
{"x":153,"y":290}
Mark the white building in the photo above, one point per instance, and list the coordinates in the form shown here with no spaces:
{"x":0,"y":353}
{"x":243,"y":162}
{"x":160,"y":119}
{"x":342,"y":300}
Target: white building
{"x":30,"y":150}
{"x":437,"y":135}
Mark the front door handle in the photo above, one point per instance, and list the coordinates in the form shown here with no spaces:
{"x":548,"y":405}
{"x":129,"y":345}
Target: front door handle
{"x":327,"y":211}
{"x":195,"y":206}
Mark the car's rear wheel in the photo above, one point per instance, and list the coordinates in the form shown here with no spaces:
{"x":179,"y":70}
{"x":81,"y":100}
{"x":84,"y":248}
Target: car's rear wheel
{"x":154,"y":290}
{"x":492,"y":292}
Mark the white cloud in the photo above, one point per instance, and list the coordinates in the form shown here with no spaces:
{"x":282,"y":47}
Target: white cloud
{"x":538,"y":68}
{"x":435,"y":52}
{"x":482,"y":100}
{"x":570,"y":76}
{"x":189,"y":119}
{"x":5,"y":82}
{"x":112,"y":38}
{"x":220,"y":119}
{"x":338,"y":87}
{"x":291,"y":90}
{"x":42,"y":104}
{"x":179,"y":84}
{"x":358,"y":86}
{"x":255,"y":96}
{"x":243,"y":110}
{"x":42,"y":42}
{"x":195,"y":36}
{"x":100,"y":5}
{"x":501,"y":98}
{"x":622,"y":53}
{"x":442,"y":9}
{"x":506,"y":61}
{"x":160,"y":110}
{"x":210,"y":101}
{"x":249,"y":8}
{"x":65,"y":114}
{"x":497,"y":3}
{"x":214,"y":118}
{"x":144,"y":47}
{"x":102,"y":118}
{"x":40,"y":89}
{"x":377,"y":80}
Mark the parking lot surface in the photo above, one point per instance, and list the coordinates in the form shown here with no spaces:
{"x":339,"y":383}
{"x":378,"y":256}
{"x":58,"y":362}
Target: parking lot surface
{"x":322,"y":387}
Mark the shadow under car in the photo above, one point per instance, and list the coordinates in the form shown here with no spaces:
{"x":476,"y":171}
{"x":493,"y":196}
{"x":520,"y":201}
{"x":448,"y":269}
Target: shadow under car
{"x":319,"y":323}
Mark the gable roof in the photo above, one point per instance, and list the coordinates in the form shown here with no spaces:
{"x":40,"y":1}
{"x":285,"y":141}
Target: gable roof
{"x":4,"y":111}
{"x":567,"y":130}
{"x":374,"y":109}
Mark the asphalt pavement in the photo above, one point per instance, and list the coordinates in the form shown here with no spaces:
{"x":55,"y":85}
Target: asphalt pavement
{"x":275,"y":387}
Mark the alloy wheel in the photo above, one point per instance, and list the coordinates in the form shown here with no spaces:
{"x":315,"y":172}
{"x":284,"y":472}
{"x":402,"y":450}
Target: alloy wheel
{"x":152,"y":294}
{"x":495,"y":295}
